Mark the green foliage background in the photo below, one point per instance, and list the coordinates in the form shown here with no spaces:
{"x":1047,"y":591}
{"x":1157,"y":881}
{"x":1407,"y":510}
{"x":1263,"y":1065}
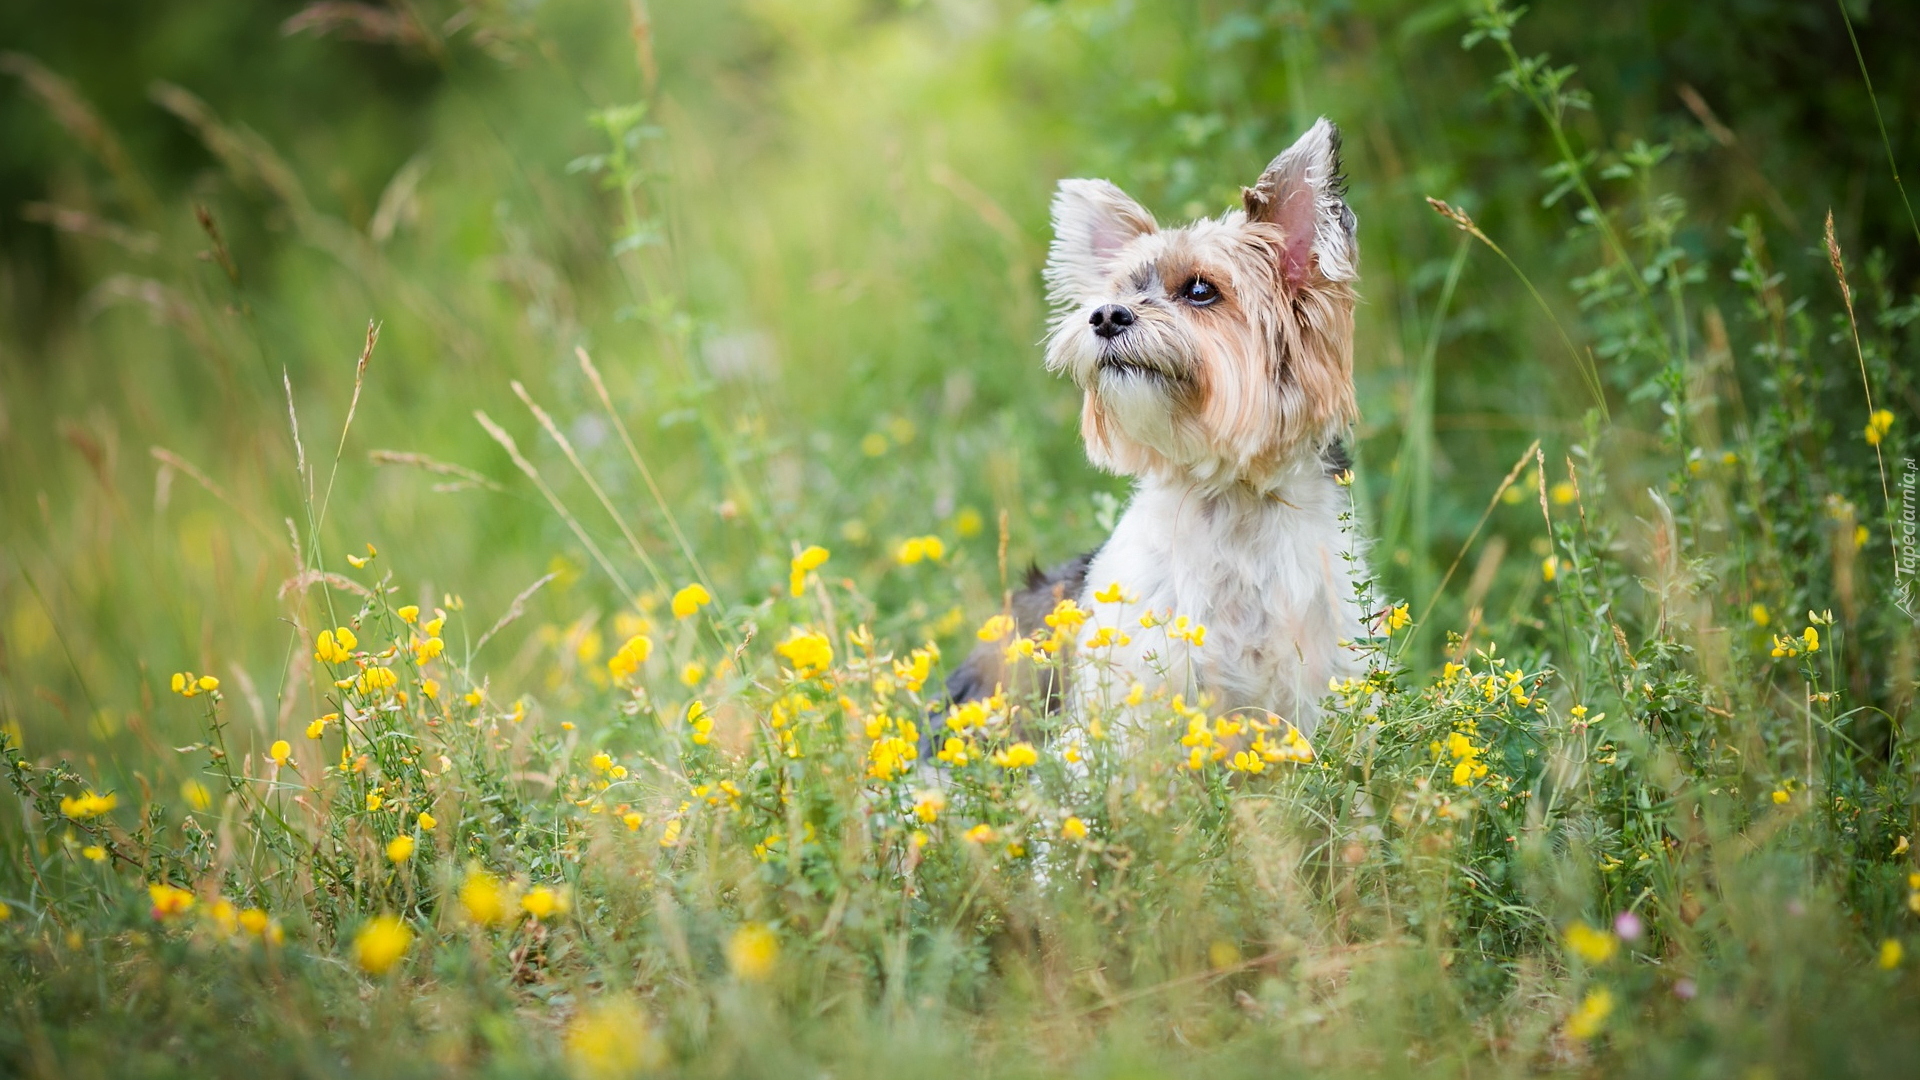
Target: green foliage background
{"x":808,"y":263}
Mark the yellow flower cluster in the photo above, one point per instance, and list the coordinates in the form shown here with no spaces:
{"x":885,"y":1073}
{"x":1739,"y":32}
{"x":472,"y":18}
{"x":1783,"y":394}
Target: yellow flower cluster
{"x":376,"y":681}
{"x":1466,"y":757}
{"x":187,"y":684}
{"x":913,"y":672}
{"x":545,"y":902}
{"x":1592,"y":1014}
{"x":1192,"y":633}
{"x":381,"y":944}
{"x":1786,"y":645}
{"x":87,"y":805}
{"x":995,"y":628}
{"x":1878,"y":425}
{"x":896,"y":743}
{"x":752,"y":952}
{"x":808,"y":651}
{"x":234,"y":922}
{"x":1590,"y":945}
{"x":1020,"y":755}
{"x":169,"y":901}
{"x":690,"y":599}
{"x":920,"y":549}
{"x":626,"y":660}
{"x":700,"y":721}
{"x":811,"y":558}
{"x":485,"y":899}
{"x":335,"y":646}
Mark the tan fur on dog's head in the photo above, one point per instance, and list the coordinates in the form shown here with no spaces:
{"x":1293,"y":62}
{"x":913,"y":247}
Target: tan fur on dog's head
{"x":1228,"y":380}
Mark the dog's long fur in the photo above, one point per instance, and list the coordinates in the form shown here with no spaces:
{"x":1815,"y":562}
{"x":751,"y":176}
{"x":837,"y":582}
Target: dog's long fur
{"x":1226,"y":404}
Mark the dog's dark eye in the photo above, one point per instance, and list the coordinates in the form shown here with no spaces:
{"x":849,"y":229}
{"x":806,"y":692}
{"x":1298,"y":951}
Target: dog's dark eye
{"x":1199,"y":292}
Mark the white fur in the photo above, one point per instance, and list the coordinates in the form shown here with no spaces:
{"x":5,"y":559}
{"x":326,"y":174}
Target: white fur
{"x":1268,"y":573}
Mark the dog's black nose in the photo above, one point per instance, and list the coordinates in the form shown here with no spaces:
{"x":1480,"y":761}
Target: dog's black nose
{"x":1110,"y":320}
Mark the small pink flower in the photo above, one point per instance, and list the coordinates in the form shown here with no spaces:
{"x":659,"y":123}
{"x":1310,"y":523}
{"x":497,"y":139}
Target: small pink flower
{"x":1628,"y":926}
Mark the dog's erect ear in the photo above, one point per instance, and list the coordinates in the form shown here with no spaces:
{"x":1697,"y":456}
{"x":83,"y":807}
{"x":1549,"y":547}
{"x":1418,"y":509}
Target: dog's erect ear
{"x":1092,"y":220}
{"x":1304,"y":194}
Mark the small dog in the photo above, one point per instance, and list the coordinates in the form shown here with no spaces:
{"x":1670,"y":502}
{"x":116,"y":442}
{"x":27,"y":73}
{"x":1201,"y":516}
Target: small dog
{"x":1216,"y":362}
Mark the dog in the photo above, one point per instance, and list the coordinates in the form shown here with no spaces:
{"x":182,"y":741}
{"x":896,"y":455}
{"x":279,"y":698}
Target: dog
{"x":1215,"y":362}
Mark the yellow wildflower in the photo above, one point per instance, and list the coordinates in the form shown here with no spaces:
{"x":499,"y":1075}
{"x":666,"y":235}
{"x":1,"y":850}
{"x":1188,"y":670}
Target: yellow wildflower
{"x":995,"y":628}
{"x":752,"y":951}
{"x":543,"y":902}
{"x":484,"y":899}
{"x":373,"y":801}
{"x":1562,"y":492}
{"x":1593,"y":946}
{"x":955,"y":752}
{"x":425,"y":649}
{"x":1592,"y":1014}
{"x":919,"y":549}
{"x":1758,"y":613}
{"x":169,"y":900}
{"x":335,"y":646}
{"x":261,"y":925}
{"x":316,"y":729}
{"x":94,"y":853}
{"x":381,"y":943}
{"x":1073,"y":829}
{"x":809,"y":652}
{"x":693,"y":674}
{"x":1878,"y":425}
{"x":982,"y":833}
{"x":690,"y":599}
{"x":1550,"y":568}
{"x":400,"y":848}
{"x":1018,"y":756}
{"x":281,"y":750}
{"x":1184,"y":630}
{"x":811,"y":558}
{"x":376,"y":680}
{"x":88,"y":804}
{"x":968,"y":522}
{"x":1400,"y":616}
{"x":627,"y":659}
{"x":430,"y":688}
{"x":611,"y":1041}
{"x":1890,"y":954}
{"x":408,"y":613}
{"x":196,"y":794}
{"x":928,"y":804}
{"x":427,"y":821}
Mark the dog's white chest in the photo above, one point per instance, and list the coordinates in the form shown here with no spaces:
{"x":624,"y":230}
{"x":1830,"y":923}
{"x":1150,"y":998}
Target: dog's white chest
{"x":1270,"y":580}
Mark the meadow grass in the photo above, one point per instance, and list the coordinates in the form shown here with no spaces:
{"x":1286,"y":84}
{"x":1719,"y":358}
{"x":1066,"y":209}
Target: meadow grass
{"x":500,"y":630}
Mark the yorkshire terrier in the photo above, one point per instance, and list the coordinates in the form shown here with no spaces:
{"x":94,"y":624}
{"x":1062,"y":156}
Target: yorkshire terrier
{"x":1216,"y":364}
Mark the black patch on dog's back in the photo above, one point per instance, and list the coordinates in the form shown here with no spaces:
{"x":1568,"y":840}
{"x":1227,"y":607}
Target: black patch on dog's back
{"x":984,"y":670}
{"x":1335,"y":458}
